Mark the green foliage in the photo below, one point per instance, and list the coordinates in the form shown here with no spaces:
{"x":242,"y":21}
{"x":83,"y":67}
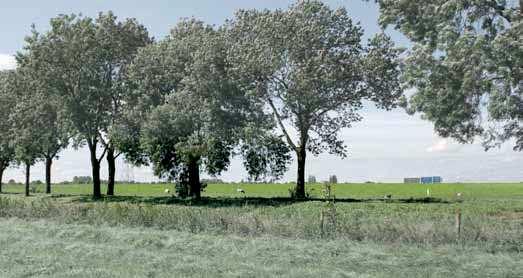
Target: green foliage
{"x":308,"y":66}
{"x":81,"y":62}
{"x":7,"y":87}
{"x":328,"y":217}
{"x":465,"y":66}
{"x":26,"y":121}
{"x":82,"y":180}
{"x":195,"y":112}
{"x":265,"y":156}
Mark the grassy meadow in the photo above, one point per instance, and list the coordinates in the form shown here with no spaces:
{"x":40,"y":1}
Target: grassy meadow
{"x":347,"y":190}
{"x":144,"y":232}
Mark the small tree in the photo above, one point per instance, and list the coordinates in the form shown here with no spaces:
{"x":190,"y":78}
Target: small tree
{"x":26,"y":124}
{"x":46,"y":113}
{"x":307,"y":65}
{"x":7,"y":153}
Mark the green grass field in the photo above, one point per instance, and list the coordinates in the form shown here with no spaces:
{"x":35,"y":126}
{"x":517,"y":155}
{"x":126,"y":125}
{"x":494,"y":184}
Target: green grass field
{"x":377,"y":190}
{"x":144,"y":232}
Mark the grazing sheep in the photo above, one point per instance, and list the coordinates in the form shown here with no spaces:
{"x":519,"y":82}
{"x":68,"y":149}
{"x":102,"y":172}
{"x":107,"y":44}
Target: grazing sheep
{"x":458,"y":194}
{"x":388,"y":197}
{"x":167,"y":191}
{"x":239,"y":190}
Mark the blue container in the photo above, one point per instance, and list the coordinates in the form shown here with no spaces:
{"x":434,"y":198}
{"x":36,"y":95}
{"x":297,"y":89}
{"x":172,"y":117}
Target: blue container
{"x":431,"y":180}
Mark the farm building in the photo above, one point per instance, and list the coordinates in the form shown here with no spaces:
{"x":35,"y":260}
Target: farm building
{"x":424,"y":180}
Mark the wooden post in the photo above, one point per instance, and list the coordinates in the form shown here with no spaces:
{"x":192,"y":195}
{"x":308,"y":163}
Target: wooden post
{"x":321,"y":223}
{"x":458,"y":222}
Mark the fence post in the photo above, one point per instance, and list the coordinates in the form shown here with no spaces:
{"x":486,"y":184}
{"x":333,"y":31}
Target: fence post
{"x":322,"y":233}
{"x":458,"y":222}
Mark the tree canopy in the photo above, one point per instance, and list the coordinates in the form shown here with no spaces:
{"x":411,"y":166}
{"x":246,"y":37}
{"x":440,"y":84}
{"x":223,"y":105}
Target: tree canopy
{"x":197,"y":114}
{"x":307,"y":65}
{"x":7,"y":87}
{"x":82,"y":61}
{"x":465,"y":66}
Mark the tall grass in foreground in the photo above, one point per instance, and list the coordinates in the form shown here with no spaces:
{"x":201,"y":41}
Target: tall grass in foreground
{"x":497,"y":227}
{"x":44,"y":248}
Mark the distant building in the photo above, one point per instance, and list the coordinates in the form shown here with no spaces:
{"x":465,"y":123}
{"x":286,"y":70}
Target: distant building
{"x":411,"y":180}
{"x":430,"y":180}
{"x":423,"y":180}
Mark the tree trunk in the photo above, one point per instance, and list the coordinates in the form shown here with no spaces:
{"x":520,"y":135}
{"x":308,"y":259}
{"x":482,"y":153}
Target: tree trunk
{"x":194,"y":179}
{"x":95,"y":165}
{"x":301,"y":154}
{"x":27,"y":178}
{"x":111,"y":163}
{"x":1,"y":176}
{"x":48,"y":164}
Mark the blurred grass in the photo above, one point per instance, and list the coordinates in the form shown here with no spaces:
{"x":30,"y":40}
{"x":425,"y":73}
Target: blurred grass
{"x":47,"y":249}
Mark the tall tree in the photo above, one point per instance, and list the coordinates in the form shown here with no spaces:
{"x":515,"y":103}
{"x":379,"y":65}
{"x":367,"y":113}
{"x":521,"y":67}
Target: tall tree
{"x":119,"y":43}
{"x":196,"y":114}
{"x":465,"y":67}
{"x":7,"y":88}
{"x":308,"y":66}
{"x":54,"y":128}
{"x":26,"y":124}
{"x":81,"y":60}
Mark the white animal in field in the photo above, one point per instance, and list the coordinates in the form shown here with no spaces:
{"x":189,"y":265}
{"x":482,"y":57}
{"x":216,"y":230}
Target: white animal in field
{"x":459,"y":194}
{"x":388,"y":197}
{"x":167,"y":191}
{"x":239,"y":190}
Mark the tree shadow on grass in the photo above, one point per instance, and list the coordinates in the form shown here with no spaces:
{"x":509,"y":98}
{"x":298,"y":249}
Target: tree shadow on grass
{"x":11,"y":193}
{"x":215,"y":202}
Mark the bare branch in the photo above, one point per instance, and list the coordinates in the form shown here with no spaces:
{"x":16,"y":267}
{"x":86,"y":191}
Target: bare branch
{"x":103,"y":154}
{"x":280,"y":122}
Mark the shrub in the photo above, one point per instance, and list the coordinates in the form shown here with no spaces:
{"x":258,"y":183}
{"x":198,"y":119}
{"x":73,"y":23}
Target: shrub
{"x":82,"y":180}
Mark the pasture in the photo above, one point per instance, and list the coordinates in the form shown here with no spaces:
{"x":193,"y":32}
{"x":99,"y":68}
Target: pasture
{"x":346,"y":190}
{"x":144,"y":232}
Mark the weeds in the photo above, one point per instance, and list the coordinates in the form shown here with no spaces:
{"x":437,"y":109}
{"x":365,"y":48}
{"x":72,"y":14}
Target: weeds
{"x":377,"y":222}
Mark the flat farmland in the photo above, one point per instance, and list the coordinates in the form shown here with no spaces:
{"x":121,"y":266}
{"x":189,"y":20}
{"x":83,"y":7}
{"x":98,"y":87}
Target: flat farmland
{"x":342,"y":190}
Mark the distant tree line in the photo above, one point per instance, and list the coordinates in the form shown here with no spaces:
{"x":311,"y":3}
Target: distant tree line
{"x":262,"y":86}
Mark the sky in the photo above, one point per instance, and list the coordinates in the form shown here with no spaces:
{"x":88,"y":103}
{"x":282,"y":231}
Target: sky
{"x":386,"y":146}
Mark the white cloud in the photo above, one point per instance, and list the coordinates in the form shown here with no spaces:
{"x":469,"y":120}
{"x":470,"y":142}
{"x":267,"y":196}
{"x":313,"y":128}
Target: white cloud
{"x":441,"y":145}
{"x":7,"y":62}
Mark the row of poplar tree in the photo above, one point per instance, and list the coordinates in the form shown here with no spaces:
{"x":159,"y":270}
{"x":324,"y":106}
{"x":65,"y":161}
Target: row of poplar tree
{"x":266,"y":85}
